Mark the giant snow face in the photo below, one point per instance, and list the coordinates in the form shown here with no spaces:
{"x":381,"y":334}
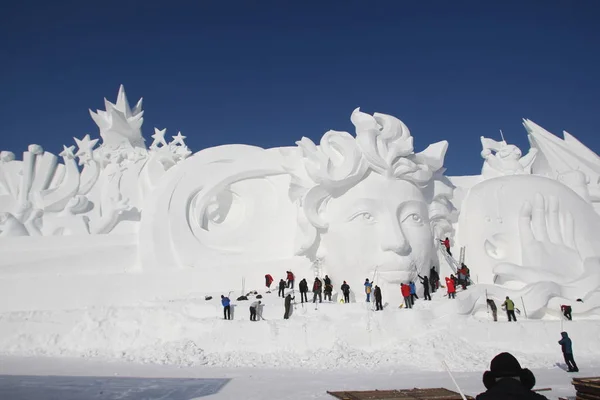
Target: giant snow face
{"x":378,"y":225}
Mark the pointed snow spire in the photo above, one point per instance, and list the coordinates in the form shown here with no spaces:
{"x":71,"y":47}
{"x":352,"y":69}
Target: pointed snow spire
{"x":122,"y":103}
{"x":118,"y":124}
{"x":138,"y":107}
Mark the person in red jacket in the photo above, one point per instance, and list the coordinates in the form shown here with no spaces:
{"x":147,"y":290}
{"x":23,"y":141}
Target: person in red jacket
{"x":268,"y":281}
{"x":405,"y":289}
{"x":290,"y":280}
{"x":446,"y":243}
{"x":451,"y":288}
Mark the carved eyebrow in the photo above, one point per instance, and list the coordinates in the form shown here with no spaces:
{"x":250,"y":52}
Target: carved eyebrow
{"x":364,"y":202}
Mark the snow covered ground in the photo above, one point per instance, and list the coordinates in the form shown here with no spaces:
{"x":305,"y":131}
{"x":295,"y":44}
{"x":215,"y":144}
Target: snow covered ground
{"x":247,"y":383}
{"x":330,"y":347}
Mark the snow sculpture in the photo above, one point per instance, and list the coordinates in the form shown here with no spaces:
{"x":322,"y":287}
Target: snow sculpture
{"x":504,"y":159}
{"x":353,"y":207}
{"x":370,"y":204}
{"x":40,"y":196}
{"x":535,"y":233}
{"x":238,"y":204}
{"x":569,"y":161}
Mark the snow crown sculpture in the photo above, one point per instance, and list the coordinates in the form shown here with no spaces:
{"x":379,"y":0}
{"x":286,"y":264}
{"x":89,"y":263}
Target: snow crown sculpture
{"x":41,"y":197}
{"x":371,"y":203}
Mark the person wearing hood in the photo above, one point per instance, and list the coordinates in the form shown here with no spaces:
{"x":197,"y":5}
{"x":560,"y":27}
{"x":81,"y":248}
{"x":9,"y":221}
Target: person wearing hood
{"x":288,"y":306}
{"x":567,"y":350}
{"x":507,"y":380}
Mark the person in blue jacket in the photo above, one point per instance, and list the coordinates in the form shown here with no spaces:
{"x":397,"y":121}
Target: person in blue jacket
{"x":413,"y":292}
{"x":368,"y":287}
{"x":226,"y":307}
{"x":567,"y":349}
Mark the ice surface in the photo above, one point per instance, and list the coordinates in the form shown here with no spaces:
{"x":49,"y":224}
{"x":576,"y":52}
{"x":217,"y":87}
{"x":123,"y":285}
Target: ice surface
{"x":23,"y":387}
{"x":283,"y":383}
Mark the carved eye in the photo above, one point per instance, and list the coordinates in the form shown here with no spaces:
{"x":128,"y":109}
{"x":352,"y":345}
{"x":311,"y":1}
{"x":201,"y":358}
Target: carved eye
{"x":414,"y":217}
{"x":364,"y":216}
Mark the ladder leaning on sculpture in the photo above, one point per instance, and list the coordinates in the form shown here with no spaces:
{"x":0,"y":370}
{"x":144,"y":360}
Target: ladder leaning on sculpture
{"x":454,"y":265}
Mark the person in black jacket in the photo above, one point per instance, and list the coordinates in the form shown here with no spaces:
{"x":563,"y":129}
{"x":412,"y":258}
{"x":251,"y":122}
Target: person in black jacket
{"x":377,"y":294}
{"x":434,"y":278}
{"x":346,"y":290}
{"x":327,"y":291}
{"x":507,"y":380}
{"x":288,"y":306}
{"x":567,"y":349}
{"x":425,"y":282}
{"x":281,"y":288}
{"x":303,"y":286}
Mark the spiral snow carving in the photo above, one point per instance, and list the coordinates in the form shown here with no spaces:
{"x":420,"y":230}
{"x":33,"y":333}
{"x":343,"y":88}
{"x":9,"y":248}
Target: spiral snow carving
{"x":336,"y":161}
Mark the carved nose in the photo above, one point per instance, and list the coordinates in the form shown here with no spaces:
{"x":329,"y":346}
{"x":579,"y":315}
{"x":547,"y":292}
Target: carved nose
{"x":394,"y":239}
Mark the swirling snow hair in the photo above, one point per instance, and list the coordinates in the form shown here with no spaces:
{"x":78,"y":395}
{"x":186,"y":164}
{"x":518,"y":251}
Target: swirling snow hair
{"x":383,"y":145}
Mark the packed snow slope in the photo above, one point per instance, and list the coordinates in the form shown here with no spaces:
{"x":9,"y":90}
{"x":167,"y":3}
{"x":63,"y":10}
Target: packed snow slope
{"x":192,"y":331}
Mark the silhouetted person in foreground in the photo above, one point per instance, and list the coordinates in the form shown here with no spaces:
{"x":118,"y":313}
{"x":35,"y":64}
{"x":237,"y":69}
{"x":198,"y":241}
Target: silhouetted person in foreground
{"x":507,"y":380}
{"x":567,"y":349}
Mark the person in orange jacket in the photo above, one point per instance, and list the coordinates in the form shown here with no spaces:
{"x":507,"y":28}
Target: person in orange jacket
{"x":405,"y":290}
{"x":451,"y":288}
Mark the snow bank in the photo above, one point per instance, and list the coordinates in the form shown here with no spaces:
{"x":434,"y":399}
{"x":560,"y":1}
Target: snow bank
{"x":192,"y":332}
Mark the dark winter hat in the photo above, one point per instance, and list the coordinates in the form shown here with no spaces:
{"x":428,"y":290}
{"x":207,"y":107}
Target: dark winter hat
{"x":505,"y":365}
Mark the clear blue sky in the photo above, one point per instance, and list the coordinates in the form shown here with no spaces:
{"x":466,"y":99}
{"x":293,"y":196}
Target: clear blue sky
{"x":269,"y":72}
